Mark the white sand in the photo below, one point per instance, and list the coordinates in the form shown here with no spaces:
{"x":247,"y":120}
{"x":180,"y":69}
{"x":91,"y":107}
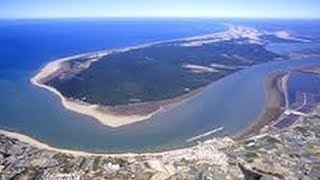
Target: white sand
{"x":286,"y":35}
{"x":171,"y":153}
{"x":238,"y":32}
{"x":40,"y":145}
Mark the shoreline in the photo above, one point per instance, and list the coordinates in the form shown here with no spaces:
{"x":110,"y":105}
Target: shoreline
{"x":272,"y":110}
{"x":92,"y":110}
{"x":36,"y":143}
{"x":43,"y":146}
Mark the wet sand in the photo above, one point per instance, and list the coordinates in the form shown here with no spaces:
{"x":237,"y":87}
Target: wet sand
{"x":273,"y":109}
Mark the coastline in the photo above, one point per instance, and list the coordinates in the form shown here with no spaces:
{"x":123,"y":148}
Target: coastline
{"x":272,"y":110}
{"x":40,"y":145}
{"x":92,"y":110}
{"x":33,"y":142}
{"x":89,"y":110}
{"x":104,"y":117}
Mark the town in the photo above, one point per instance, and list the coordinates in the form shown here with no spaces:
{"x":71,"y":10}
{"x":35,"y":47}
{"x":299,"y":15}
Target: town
{"x":288,"y":153}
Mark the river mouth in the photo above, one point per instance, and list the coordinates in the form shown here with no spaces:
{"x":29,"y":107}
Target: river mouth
{"x":233,"y":103}
{"x":220,"y":104}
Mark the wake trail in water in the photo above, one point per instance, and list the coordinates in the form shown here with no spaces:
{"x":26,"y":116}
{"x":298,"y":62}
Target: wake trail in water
{"x":205,"y":134}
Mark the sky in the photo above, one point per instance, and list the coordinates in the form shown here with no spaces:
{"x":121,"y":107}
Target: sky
{"x":160,"y":8}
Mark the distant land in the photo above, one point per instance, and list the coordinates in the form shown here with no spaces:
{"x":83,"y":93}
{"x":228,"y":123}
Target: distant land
{"x":122,"y":86}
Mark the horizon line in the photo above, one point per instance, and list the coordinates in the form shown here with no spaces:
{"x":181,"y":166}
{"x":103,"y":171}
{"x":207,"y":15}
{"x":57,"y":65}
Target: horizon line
{"x":159,"y":17}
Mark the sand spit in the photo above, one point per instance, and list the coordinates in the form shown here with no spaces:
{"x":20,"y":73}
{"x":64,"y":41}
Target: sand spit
{"x":94,"y":111}
{"x":111,"y":116}
{"x":108,"y":116}
{"x":103,"y":115}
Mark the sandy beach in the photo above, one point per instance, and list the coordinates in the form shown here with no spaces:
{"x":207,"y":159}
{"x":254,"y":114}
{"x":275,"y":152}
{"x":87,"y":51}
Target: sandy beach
{"x":28,"y":140}
{"x":93,"y":110}
{"x":35,"y":143}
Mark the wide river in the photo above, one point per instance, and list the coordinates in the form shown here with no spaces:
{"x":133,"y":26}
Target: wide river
{"x":233,"y":102}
